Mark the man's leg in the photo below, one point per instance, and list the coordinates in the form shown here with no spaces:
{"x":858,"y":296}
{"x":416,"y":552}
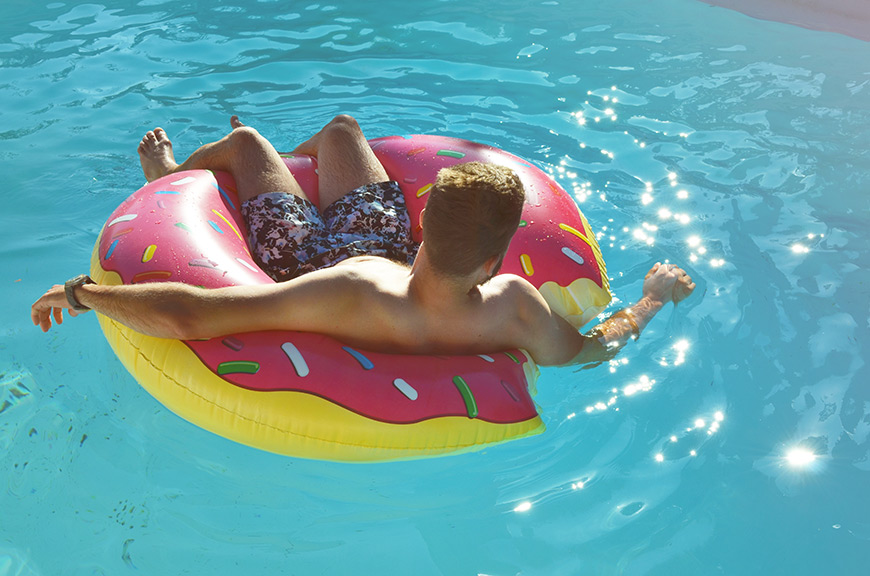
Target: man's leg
{"x":251,"y":159}
{"x":345,"y":160}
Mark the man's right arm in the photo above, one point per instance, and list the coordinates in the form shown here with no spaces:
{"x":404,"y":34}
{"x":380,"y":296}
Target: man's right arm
{"x":314,"y":302}
{"x":553,"y":341}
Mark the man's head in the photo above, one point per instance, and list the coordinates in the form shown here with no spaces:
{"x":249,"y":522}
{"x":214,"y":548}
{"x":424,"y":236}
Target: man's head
{"x":471,"y":215}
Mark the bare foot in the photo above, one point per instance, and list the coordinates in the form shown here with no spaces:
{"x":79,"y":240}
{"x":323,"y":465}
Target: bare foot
{"x":235,"y":122}
{"x":155,"y":155}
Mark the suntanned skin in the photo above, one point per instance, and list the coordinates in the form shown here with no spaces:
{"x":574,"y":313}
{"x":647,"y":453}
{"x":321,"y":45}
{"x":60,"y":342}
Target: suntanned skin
{"x":367,"y":302}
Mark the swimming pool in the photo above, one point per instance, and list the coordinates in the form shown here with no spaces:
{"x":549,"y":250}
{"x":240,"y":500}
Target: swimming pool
{"x":687,"y":133}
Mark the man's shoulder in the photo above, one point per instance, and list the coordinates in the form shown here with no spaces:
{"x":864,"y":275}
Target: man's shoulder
{"x":513,"y":286}
{"x":371,"y":275}
{"x":511,"y":292}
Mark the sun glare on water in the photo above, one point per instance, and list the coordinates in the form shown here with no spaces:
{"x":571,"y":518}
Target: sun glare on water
{"x":800,"y":457}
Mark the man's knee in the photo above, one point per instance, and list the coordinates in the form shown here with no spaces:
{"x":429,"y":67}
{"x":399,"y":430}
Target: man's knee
{"x":344,"y":123}
{"x":246,"y":137}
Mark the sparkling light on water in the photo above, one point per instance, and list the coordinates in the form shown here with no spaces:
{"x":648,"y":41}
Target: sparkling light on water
{"x":800,"y":457}
{"x":673,"y":447}
{"x":645,"y":384}
{"x":799,"y":249}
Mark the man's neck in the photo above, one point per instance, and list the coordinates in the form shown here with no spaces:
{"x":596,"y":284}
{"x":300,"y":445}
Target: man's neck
{"x":433,"y":290}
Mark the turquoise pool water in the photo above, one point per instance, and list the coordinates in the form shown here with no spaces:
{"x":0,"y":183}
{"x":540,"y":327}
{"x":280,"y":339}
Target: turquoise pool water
{"x":688,"y":133}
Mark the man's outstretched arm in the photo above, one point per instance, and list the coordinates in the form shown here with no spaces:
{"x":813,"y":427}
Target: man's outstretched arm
{"x":556,"y":342}
{"x":314,"y":302}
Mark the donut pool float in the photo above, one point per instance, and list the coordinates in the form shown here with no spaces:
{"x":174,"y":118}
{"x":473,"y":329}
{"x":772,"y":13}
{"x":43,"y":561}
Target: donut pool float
{"x":308,"y":395}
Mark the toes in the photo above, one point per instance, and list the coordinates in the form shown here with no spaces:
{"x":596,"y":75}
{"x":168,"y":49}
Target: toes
{"x":147,"y":139}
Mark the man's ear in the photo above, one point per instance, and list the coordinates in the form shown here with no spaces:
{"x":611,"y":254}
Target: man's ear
{"x":492,"y":265}
{"x":422,"y":215}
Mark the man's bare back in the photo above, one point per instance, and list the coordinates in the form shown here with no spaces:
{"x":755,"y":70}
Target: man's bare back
{"x":368,"y":302}
{"x":387,"y":310}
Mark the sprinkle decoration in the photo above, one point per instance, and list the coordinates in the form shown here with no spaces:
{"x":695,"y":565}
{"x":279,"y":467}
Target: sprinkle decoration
{"x":149,"y":253}
{"x":405,"y":388}
{"x":526,"y":262}
{"x":238,"y":367}
{"x":296,"y":359}
{"x":467,"y":396}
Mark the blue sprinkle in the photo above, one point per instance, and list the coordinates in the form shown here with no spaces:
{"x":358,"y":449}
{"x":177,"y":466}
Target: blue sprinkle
{"x":225,"y":195}
{"x":167,"y":192}
{"x":364,"y":362}
{"x":112,"y":248}
{"x":215,"y":226}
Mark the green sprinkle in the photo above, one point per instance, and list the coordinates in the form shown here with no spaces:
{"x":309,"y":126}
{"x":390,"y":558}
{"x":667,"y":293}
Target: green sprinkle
{"x":451,"y":153}
{"x":238,"y":367}
{"x":523,"y":224}
{"x":467,"y":396}
{"x":512,"y":357}
{"x":183,"y":226}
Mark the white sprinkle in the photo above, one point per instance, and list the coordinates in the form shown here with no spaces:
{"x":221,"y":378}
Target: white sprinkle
{"x":296,"y":359}
{"x":247,"y":265}
{"x":405,"y":389}
{"x":124,"y":218}
{"x":573,"y":255}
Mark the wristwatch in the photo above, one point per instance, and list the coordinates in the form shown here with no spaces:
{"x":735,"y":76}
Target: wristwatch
{"x":69,"y":289}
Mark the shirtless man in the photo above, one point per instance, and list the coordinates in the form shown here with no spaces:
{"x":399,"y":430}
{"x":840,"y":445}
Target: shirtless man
{"x":446,"y":299}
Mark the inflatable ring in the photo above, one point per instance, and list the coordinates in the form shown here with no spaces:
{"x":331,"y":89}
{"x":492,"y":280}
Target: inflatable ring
{"x":307,"y":395}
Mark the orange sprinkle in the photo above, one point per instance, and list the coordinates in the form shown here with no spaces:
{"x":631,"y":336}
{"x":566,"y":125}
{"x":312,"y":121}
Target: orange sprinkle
{"x":151,"y":275}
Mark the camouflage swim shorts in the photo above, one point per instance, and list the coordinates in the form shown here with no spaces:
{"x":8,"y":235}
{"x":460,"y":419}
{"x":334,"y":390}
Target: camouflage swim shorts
{"x":290,"y":237}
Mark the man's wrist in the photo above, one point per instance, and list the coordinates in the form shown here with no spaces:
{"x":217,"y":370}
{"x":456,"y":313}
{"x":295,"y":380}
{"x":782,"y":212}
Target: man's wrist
{"x":72,"y":297}
{"x":645,"y":309}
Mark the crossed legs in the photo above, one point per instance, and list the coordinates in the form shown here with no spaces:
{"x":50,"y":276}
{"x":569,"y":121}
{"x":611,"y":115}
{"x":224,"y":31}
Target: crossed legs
{"x":344,"y":158}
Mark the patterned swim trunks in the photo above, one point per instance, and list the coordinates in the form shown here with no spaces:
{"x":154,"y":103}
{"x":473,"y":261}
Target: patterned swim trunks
{"x":290,"y":237}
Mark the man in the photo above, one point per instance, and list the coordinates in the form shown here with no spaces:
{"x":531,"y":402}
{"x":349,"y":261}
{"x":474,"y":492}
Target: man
{"x":355,"y":277}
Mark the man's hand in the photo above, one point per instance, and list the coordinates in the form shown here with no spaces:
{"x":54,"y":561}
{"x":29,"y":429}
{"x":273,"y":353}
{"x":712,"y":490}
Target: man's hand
{"x":663,"y":283}
{"x":667,"y":283}
{"x":51,"y":304}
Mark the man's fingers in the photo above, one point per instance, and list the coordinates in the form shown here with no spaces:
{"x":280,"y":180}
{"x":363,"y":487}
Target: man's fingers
{"x":39,"y":314}
{"x":44,"y":319}
{"x":58,"y":315}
